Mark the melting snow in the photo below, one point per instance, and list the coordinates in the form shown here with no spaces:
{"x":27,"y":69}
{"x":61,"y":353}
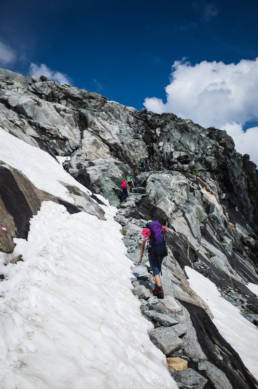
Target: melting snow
{"x":239,"y":332}
{"x":68,"y":318}
{"x":62,"y":159}
{"x":37,"y":165}
{"x":253,"y":288}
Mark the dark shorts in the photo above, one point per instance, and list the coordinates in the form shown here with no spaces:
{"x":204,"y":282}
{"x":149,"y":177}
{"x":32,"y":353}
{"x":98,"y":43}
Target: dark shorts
{"x":155,"y":263}
{"x":124,"y":194}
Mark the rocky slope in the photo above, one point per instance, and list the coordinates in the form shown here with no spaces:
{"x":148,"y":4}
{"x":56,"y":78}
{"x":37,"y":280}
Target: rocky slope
{"x":198,"y":185}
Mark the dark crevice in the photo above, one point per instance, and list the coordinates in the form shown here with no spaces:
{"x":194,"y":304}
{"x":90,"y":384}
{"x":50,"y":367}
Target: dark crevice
{"x":69,"y":207}
{"x":96,"y":199}
{"x":82,"y":124}
{"x":148,"y":211}
{"x":83,"y":177}
{"x":178,"y":245}
{"x":218,"y":350}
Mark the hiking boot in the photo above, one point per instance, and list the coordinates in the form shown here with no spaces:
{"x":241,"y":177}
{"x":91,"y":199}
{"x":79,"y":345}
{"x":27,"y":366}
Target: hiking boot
{"x":158,"y":291}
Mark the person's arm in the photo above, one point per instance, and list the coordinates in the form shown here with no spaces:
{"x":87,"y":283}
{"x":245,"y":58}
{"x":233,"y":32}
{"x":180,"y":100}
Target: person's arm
{"x":141,"y":252}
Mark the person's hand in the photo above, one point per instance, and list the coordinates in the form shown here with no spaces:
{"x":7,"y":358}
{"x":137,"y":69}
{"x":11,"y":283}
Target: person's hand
{"x":139,"y":262}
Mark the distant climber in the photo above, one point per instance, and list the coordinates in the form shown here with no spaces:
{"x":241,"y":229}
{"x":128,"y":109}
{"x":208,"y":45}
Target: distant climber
{"x":142,"y":163}
{"x":124,"y":190}
{"x":153,"y":234}
{"x":146,"y":164}
{"x":130,"y":182}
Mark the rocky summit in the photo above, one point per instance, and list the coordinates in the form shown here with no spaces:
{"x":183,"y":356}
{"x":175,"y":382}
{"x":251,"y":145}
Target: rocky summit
{"x":197,"y":185}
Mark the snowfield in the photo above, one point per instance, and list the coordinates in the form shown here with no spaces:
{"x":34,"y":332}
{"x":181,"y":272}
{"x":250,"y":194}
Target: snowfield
{"x":38,"y":166}
{"x":68,"y":318}
{"x":238,"y":332}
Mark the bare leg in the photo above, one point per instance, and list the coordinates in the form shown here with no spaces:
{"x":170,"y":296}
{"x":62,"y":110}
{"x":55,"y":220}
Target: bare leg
{"x":157,"y":280}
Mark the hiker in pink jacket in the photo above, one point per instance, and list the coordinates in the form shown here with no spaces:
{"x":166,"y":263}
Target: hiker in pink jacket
{"x":124,"y":190}
{"x":154,"y":235}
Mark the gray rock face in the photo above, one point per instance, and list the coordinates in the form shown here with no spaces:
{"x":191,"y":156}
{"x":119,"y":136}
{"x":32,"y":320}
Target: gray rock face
{"x":198,"y":185}
{"x":218,"y":378}
{"x":142,"y":292}
{"x":102,"y":176}
{"x":165,"y":339}
{"x":161,"y":319}
{"x":189,"y":379}
{"x":141,"y":272}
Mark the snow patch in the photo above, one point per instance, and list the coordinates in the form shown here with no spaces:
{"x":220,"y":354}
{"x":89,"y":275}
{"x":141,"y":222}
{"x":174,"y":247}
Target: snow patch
{"x":62,"y":159}
{"x":253,"y":288}
{"x":68,"y":318}
{"x":38,"y":166}
{"x":239,"y":332}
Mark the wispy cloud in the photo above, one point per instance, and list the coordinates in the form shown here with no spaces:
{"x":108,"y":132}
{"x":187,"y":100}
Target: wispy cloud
{"x":206,"y":11}
{"x":7,"y":54}
{"x":98,"y":85}
{"x":44,"y":70}
{"x":210,"y":11}
{"x":203,"y":13}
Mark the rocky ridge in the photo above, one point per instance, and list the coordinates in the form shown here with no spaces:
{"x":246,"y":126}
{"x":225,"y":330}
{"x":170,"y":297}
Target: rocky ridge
{"x":198,"y":185}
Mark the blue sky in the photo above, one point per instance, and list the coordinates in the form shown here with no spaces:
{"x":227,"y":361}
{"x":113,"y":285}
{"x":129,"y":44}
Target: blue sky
{"x":125,"y":51}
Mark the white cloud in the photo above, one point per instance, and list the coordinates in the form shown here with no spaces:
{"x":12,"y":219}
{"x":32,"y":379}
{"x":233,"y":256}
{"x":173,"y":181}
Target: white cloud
{"x":215,"y":94}
{"x":7,"y":55}
{"x":246,"y":142}
{"x":44,"y":70}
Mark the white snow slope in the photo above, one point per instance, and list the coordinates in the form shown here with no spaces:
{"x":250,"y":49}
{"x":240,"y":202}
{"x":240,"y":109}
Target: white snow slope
{"x":68,"y":318}
{"x":239,"y":332}
{"x":37,"y":165}
{"x":253,"y":288}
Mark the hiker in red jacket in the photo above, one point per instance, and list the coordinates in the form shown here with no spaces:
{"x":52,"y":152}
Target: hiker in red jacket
{"x":154,"y":235}
{"x":124,"y":190}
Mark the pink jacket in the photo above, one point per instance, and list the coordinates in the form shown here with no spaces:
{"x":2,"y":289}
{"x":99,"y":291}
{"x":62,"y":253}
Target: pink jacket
{"x":146,"y":232}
